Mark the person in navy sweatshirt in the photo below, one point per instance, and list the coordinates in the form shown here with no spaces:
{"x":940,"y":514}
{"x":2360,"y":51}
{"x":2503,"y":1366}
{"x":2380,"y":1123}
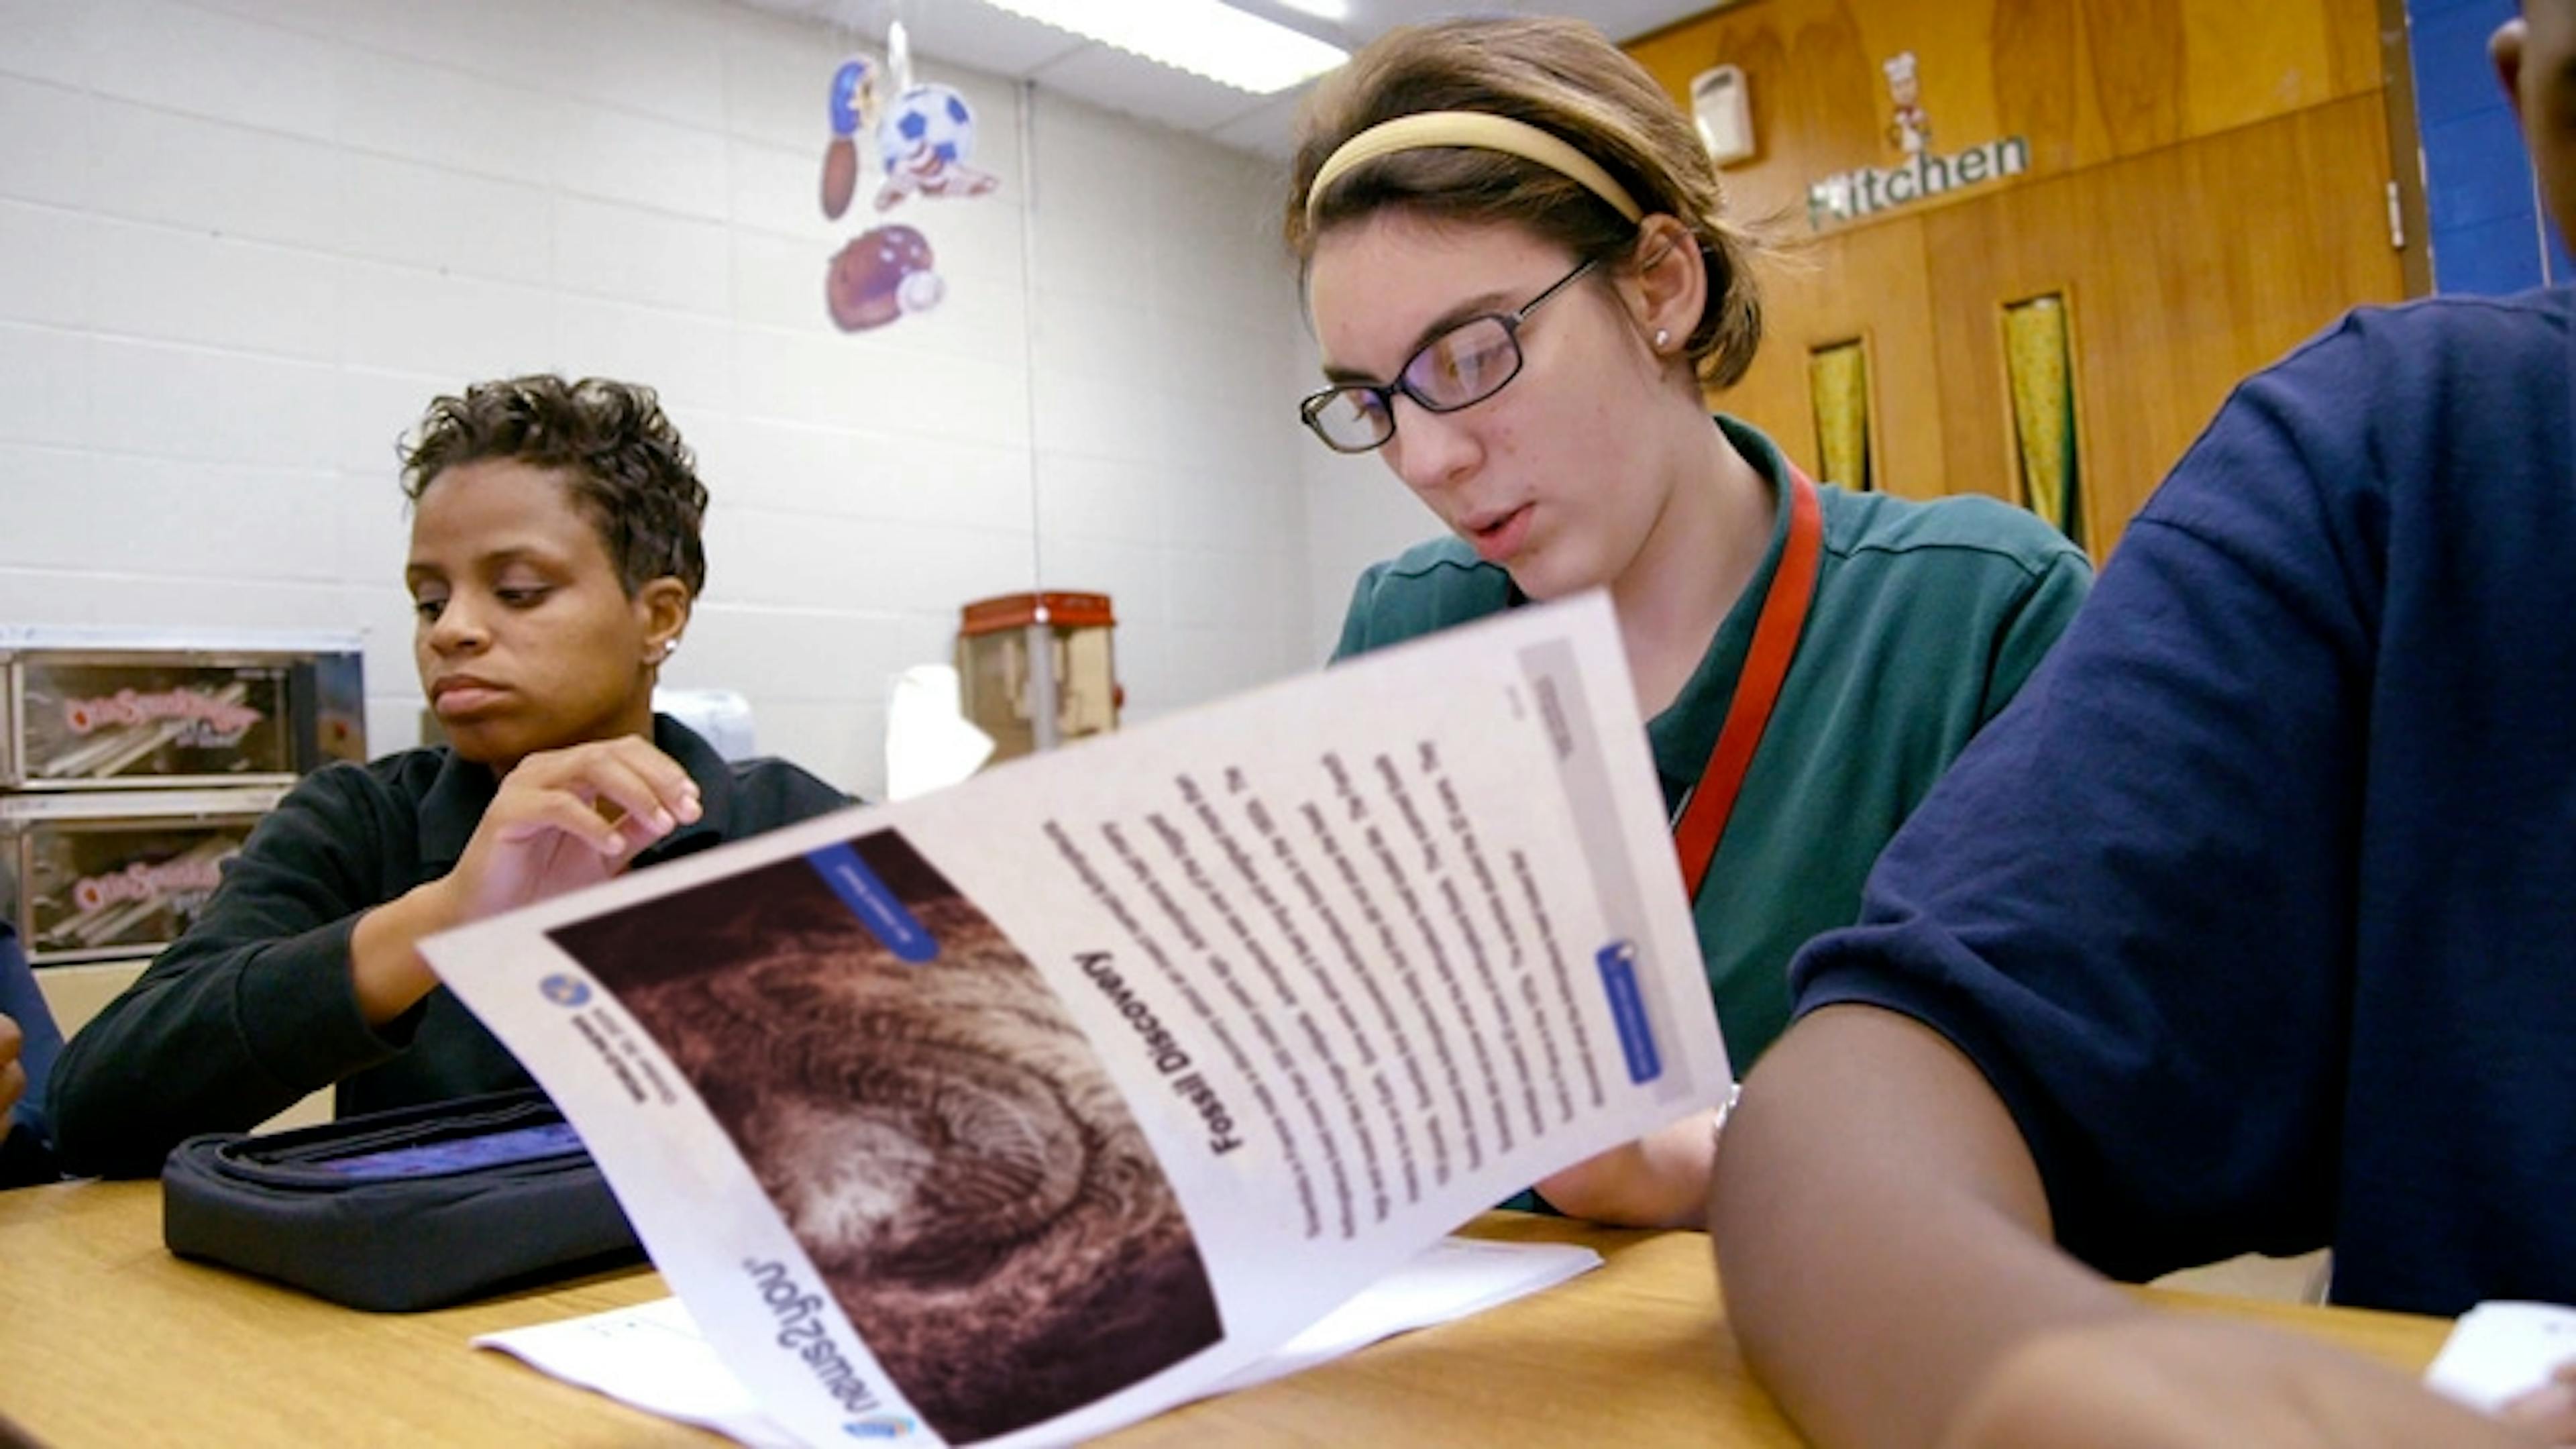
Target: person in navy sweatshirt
{"x":2249,"y":926}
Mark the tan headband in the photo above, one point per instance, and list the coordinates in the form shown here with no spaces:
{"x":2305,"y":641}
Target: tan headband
{"x":1476,"y":131}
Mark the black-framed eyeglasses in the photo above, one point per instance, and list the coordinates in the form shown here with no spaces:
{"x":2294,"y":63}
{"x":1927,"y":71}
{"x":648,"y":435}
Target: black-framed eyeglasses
{"x":1457,"y":369}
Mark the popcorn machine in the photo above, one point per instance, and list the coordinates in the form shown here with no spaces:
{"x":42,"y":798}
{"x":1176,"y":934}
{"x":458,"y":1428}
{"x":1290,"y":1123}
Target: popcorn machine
{"x":1036,"y":670}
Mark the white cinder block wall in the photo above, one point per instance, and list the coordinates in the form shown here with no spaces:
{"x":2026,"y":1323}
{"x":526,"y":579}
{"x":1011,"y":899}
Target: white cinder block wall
{"x":1357,"y":513}
{"x":242,"y":242}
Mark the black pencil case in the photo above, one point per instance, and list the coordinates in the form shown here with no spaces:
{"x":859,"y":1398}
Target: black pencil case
{"x":418,"y":1207}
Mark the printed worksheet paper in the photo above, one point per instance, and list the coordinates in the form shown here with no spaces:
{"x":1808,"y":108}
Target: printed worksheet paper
{"x":1026,"y":1109}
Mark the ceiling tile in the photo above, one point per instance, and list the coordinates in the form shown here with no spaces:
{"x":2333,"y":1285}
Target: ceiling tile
{"x":976,"y":36}
{"x":1112,"y":78}
{"x":1270,"y":130}
{"x":979,"y":37}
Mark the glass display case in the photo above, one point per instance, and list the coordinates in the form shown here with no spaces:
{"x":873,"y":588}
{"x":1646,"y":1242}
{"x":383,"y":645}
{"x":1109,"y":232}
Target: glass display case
{"x":88,"y":709}
{"x":134,"y":764}
{"x":113,"y":875}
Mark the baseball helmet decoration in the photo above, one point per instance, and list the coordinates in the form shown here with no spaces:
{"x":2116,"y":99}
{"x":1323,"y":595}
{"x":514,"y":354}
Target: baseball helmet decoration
{"x":885,"y":274}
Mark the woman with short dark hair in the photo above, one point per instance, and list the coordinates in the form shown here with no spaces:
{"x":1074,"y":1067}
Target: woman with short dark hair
{"x":555,"y":558}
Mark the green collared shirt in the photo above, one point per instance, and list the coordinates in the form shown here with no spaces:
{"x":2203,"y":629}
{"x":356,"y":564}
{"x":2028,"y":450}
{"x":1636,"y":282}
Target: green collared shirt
{"x":1927,"y":619}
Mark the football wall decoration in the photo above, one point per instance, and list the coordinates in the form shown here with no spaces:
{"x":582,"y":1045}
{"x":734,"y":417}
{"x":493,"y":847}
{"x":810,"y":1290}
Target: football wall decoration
{"x":853,"y":109}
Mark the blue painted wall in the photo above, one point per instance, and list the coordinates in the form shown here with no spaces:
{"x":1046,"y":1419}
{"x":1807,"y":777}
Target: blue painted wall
{"x":2487,"y":229}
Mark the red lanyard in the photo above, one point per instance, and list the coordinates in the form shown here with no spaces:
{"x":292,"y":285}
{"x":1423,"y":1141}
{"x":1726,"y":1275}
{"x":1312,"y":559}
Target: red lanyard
{"x":1757,"y":688}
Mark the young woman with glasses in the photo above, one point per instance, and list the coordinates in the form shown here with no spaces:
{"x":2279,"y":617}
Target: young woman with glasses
{"x":1521,"y":279}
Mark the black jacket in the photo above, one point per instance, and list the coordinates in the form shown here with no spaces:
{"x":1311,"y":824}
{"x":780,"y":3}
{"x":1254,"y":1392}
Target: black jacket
{"x":254,"y":1008}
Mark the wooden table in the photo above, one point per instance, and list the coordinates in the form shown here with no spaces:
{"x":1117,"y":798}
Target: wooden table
{"x":105,"y":1339}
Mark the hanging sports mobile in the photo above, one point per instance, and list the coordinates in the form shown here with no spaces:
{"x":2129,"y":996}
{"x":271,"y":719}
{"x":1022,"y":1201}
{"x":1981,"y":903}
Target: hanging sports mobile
{"x":923,"y":141}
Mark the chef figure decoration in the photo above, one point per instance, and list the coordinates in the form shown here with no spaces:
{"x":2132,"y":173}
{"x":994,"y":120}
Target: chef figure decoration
{"x":854,"y":108}
{"x":1911,"y":129}
{"x":924,"y":139}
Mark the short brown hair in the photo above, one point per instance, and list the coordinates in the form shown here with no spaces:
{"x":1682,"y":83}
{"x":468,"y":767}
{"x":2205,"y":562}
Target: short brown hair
{"x":1565,"y":78}
{"x":618,"y":452}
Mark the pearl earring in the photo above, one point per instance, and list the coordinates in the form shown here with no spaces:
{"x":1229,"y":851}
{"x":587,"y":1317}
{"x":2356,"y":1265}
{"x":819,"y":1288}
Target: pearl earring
{"x":1663,"y":338}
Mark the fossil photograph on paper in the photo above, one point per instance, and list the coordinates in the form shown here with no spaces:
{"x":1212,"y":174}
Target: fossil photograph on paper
{"x":930,"y":1123}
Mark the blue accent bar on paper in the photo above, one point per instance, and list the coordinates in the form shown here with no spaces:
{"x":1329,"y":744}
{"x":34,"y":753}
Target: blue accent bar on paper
{"x":877,"y":908}
{"x":1618,"y":962}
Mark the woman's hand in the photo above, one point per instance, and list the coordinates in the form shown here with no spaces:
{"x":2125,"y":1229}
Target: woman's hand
{"x":1657,"y":1181}
{"x":569,"y":818}
{"x":563,"y":819}
{"x":2159,"y":1380}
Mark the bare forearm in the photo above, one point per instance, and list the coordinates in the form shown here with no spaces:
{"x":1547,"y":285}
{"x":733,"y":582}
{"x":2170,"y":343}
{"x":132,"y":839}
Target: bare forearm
{"x":1881,"y":1232}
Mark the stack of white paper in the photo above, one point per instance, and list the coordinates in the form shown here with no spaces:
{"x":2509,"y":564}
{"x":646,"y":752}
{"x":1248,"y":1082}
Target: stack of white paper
{"x":653,"y":1357}
{"x":2498,"y":1352}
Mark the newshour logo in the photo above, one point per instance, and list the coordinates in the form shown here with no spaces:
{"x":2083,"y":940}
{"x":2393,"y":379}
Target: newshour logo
{"x":805,"y":1333}
{"x":1855,"y":194}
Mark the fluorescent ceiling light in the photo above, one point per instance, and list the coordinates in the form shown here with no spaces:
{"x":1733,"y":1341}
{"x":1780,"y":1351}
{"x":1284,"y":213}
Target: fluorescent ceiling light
{"x":1321,"y":9}
{"x":1203,"y":37}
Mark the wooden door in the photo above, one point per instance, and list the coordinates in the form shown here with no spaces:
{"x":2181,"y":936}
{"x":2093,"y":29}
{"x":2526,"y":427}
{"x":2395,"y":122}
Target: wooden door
{"x":2208,"y":185}
{"x":2184,"y":269}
